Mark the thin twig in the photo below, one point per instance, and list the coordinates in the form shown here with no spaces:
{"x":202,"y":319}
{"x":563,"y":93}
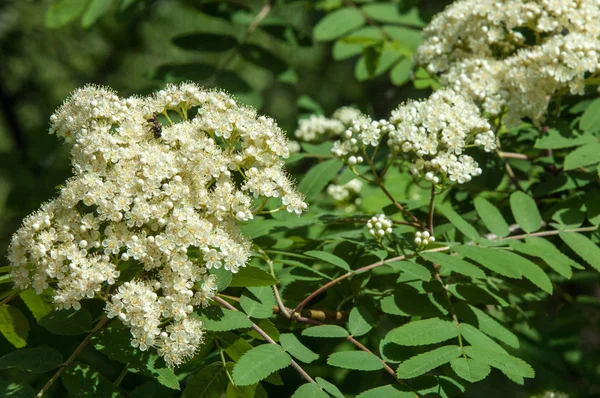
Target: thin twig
{"x":9,"y":298}
{"x":359,"y":271}
{"x":121,"y":376}
{"x":268,"y":338}
{"x":550,"y":233}
{"x":431,"y":205}
{"x":74,"y":355}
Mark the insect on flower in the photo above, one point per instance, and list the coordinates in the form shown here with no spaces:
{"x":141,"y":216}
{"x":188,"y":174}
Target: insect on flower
{"x":155,"y":126}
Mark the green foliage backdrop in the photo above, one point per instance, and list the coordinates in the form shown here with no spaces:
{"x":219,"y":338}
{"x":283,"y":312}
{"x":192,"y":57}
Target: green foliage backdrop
{"x":505,"y":302}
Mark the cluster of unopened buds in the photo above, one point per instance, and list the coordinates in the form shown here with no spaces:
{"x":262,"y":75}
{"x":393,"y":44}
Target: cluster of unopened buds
{"x":422,"y":239}
{"x":379,"y":226}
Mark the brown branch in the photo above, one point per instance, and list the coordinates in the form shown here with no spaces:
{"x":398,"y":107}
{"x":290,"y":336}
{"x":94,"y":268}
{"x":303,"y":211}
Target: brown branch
{"x":74,"y":355}
{"x":268,"y":338}
{"x":513,"y":155}
{"x":358,"y":271}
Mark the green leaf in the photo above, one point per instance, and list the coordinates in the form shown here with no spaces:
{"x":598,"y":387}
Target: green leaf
{"x":477,"y":338}
{"x":411,"y":268}
{"x":237,"y":391}
{"x":217,"y":319}
{"x":583,"y":247}
{"x":310,"y":390}
{"x":329,"y":258}
{"x":460,"y":223}
{"x":360,"y":321}
{"x":67,"y":322}
{"x":291,"y":344}
{"x":223,"y":276}
{"x":35,"y":360}
{"x":525,"y":212}
{"x":258,"y":302}
{"x":258,"y":363}
{"x":491,"y":217}
{"x":539,"y":247}
{"x":590,"y":120}
{"x":389,"y":391}
{"x":423,"y":363}
{"x":427,"y":331}
{"x":210,"y":382}
{"x":15,"y":390}
{"x":489,"y":325}
{"x":329,"y":331}
{"x":531,"y":271}
{"x":14,"y":326}
{"x":357,"y":360}
{"x":338,"y":23}
{"x":329,"y":387}
{"x":504,"y":362}
{"x":585,"y":155}
{"x":96,"y":10}
{"x":390,"y":13}
{"x":268,"y":327}
{"x":81,"y":380}
{"x":401,"y":72}
{"x":317,"y":178}
{"x":354,"y":44}
{"x":469,"y":369}
{"x":555,"y":140}
{"x":61,"y":12}
{"x":252,"y":277}
{"x":454,"y":264}
{"x":499,"y":261}
{"x":36,"y":304}
{"x":238,"y":348}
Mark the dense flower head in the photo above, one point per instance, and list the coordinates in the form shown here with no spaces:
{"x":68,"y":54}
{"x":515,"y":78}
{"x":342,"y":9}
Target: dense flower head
{"x":431,"y":134}
{"x":380,"y":226}
{"x":511,"y":57}
{"x":318,"y":128}
{"x":164,"y":198}
{"x":346,"y":196}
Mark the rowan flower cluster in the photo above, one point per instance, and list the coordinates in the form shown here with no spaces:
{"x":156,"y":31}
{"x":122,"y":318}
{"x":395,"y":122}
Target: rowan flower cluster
{"x":513,"y":56}
{"x":318,"y":128}
{"x":431,"y":134}
{"x":422,"y":239}
{"x":161,"y":201}
{"x":379,"y":226}
{"x":346,"y":196}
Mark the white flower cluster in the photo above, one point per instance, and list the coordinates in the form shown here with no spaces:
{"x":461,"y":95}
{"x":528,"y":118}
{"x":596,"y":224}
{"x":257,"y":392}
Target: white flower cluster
{"x":481,"y":48}
{"x":163,"y":199}
{"x":422,"y":239}
{"x":379,"y":226}
{"x":318,"y":128}
{"x":346,"y":195}
{"x":432,"y":134}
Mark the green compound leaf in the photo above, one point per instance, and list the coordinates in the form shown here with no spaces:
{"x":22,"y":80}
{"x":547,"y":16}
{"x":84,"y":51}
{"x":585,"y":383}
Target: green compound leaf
{"x":36,"y":304}
{"x":338,"y":23}
{"x":14,"y":326}
{"x":218,"y":319}
{"x":258,"y":363}
{"x":411,"y":268}
{"x":258,"y":302}
{"x":525,"y":212}
{"x":357,"y":360}
{"x":469,"y":369}
{"x":555,"y":140}
{"x":252,"y":277}
{"x":428,"y":331}
{"x":590,"y":120}
{"x":488,"y":325}
{"x":35,"y":360}
{"x":81,"y":380}
{"x":329,"y":331}
{"x":423,"y":363}
{"x":291,"y":344}
{"x":329,"y":387}
{"x":329,"y":258}
{"x":310,"y":390}
{"x":210,"y":382}
{"x":454,"y":264}
{"x":540,"y":247}
{"x":67,"y":322}
{"x":460,"y":223}
{"x":491,"y":217}
{"x":318,"y":177}
{"x":477,"y":338}
{"x":585,"y":155}
{"x":583,"y":247}
{"x":495,"y":260}
{"x":389,"y":391}
{"x":504,"y":362}
{"x":360,"y":321}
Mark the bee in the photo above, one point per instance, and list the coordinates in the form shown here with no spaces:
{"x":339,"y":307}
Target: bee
{"x":155,"y":126}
